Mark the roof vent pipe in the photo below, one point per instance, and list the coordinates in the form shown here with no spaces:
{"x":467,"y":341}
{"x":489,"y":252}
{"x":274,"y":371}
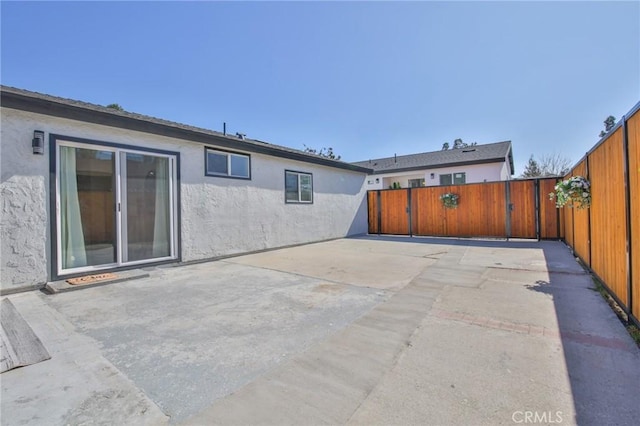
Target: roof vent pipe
{"x":240,"y":135}
{"x":395,"y":158}
{"x":224,"y":128}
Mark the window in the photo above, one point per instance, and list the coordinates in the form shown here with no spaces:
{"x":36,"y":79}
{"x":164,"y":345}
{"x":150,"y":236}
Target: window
{"x":227,"y":164}
{"x":445,"y":179}
{"x":298,"y":187}
{"x":458,"y":178}
{"x":416,"y":183}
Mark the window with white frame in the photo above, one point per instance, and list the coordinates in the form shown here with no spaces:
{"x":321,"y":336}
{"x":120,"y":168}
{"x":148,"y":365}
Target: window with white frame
{"x":298,"y":187}
{"x":227,"y":164}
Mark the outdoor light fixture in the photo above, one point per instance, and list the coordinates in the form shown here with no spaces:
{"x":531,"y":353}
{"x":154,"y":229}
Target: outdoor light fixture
{"x":433,"y":175}
{"x":38,"y":142}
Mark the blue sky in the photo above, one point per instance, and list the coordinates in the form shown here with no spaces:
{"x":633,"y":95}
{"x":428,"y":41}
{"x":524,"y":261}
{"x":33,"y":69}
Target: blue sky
{"x":369,"y":79}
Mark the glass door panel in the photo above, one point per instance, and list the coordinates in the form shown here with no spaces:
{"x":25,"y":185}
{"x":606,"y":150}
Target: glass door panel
{"x":87,"y":207}
{"x":147,"y":207}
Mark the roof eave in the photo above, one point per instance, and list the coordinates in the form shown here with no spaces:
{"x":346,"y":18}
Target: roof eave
{"x":440,"y":166}
{"x":113,"y":119}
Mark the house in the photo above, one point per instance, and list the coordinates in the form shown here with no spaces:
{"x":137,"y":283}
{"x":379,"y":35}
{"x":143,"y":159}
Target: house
{"x":89,"y":189}
{"x":477,"y":163}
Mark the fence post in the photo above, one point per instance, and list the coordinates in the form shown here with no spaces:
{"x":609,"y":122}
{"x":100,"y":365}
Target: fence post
{"x":627,"y":200}
{"x":379,"y":211}
{"x":507,"y":197}
{"x":536,"y":196}
{"x":410,"y":211}
{"x":558,"y":220}
{"x":586,"y":166}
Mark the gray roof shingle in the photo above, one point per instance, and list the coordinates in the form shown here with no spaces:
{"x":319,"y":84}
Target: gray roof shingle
{"x":478,"y":154}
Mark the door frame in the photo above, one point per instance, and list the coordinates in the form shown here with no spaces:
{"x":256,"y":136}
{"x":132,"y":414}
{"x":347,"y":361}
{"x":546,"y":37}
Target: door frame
{"x":55,"y":141}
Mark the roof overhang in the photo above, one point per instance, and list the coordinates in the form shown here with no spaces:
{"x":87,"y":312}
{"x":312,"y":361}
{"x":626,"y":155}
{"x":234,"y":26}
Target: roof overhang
{"x":444,"y":165}
{"x":55,"y":108}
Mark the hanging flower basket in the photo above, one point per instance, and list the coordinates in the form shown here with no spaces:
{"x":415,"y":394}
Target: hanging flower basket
{"x":449,"y":200}
{"x":575,"y":191}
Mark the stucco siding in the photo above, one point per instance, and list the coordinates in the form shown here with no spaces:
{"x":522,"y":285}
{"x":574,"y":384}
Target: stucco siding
{"x":219,"y":216}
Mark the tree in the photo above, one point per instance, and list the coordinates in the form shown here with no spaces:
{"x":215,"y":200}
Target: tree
{"x":609,"y":122}
{"x":117,"y":107}
{"x":532,"y":169}
{"x":322,"y":152}
{"x":457,"y":144}
{"x":554,"y":165}
{"x":547,"y":165}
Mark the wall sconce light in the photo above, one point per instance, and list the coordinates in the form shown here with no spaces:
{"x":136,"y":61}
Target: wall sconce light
{"x":38,"y":142}
{"x":433,"y":175}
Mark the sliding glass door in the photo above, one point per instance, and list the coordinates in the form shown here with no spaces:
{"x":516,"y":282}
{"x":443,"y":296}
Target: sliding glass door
{"x":115,"y":207}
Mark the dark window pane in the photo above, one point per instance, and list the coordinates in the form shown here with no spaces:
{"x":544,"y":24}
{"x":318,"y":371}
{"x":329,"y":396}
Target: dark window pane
{"x":459,"y":178}
{"x":445,"y":179}
{"x":291,"y":186}
{"x":217,"y":163}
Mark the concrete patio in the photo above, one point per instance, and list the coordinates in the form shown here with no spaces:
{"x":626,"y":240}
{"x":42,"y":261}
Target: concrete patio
{"x":371,"y":330}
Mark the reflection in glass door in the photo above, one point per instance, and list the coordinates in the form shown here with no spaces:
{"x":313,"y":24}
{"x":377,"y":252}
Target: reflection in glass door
{"x":147,"y":207}
{"x":115,"y":207}
{"x":87,"y":200}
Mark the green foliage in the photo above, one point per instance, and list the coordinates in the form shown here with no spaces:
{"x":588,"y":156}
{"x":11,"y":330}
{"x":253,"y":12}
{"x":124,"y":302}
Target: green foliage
{"x":395,"y":185}
{"x":547,"y":165}
{"x":609,"y":123}
{"x":450,"y":200}
{"x":457,"y":144}
{"x":575,"y":191}
{"x":322,"y":152}
{"x":117,"y":107}
{"x":532,"y":169}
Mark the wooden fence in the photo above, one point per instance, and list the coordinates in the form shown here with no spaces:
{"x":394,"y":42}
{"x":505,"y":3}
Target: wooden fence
{"x":513,"y":209}
{"x":606,"y":236}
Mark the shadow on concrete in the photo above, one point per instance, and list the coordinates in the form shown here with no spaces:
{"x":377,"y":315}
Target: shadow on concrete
{"x":602,"y":361}
{"x":469,"y":242}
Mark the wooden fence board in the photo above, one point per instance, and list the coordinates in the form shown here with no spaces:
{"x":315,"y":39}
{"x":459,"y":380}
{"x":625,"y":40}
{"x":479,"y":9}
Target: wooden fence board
{"x":393,"y":207}
{"x":523,"y":208}
{"x":481,"y":211}
{"x":633,"y":140}
{"x":549,"y":217}
{"x":372,"y":207}
{"x":581,"y":231}
{"x":608,"y":217}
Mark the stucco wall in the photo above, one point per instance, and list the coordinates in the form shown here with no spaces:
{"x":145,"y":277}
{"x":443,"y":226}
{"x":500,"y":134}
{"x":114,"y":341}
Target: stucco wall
{"x":218,"y":216}
{"x":474,"y":173}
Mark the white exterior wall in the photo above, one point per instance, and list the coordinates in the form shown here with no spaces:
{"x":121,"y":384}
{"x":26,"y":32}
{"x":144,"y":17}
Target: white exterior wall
{"x":219,"y":216}
{"x":475,"y":173}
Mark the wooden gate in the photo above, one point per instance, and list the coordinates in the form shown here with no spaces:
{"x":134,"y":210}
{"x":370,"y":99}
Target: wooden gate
{"x":512,"y":209}
{"x":395,"y":205}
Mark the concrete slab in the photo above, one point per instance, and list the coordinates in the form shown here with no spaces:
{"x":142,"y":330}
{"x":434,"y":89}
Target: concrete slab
{"x":358,"y":331}
{"x":353,"y":262}
{"x":78,"y":385}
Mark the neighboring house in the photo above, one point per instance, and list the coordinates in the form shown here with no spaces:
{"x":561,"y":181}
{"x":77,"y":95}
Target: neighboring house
{"x":478,"y":163}
{"x":90,"y":189}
